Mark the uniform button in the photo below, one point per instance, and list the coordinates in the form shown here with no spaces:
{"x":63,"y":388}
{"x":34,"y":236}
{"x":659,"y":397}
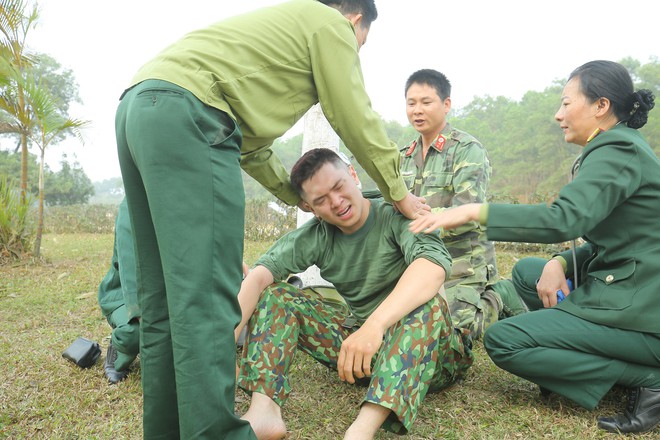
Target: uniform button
{"x":609,"y":279}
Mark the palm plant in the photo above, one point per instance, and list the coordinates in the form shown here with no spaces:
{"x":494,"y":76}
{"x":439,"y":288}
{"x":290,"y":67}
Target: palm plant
{"x":15,"y":23}
{"x":48,"y":124}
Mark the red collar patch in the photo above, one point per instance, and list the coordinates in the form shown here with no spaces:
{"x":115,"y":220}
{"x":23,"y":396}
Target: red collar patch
{"x":411,"y":149}
{"x":439,"y":142}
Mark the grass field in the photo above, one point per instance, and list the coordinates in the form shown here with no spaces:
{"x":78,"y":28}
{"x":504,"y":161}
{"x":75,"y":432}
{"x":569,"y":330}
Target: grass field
{"x":44,"y":307}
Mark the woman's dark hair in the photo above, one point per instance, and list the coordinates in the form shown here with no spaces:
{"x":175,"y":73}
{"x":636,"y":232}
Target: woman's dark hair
{"x":365,"y":7}
{"x":607,"y":79}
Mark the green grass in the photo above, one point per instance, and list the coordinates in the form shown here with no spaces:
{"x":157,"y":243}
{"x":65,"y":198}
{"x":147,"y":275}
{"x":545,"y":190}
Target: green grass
{"x":44,"y":307}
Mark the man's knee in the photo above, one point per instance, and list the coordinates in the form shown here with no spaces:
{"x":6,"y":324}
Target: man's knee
{"x":498,"y":341}
{"x":524,"y":275}
{"x":473,"y":310}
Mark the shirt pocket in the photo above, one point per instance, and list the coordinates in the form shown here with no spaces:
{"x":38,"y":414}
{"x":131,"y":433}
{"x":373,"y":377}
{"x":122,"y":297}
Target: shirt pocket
{"x":439,"y":189}
{"x":611,"y":288}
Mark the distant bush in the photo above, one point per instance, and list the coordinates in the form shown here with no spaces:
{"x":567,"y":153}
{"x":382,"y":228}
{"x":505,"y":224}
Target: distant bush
{"x":71,"y":219}
{"x":268,"y":220}
{"x":525,"y":248}
{"x":264,"y":219}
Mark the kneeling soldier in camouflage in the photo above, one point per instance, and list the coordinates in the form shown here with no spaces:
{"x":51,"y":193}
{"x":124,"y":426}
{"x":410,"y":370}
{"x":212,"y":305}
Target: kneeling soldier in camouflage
{"x":394,"y":330}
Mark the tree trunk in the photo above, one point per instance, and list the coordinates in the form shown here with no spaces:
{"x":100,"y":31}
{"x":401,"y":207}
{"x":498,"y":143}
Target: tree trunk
{"x":24,"y":166}
{"x":40,"y":221}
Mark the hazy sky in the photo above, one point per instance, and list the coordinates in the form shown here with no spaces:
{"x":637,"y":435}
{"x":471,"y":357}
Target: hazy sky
{"x":484,"y":47}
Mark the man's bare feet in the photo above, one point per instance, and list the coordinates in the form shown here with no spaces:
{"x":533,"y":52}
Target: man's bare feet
{"x":365,"y":426}
{"x":265,"y":417}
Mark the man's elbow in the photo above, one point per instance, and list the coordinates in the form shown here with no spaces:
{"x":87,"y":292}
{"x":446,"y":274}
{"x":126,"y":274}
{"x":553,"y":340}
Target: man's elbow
{"x":437,"y":275}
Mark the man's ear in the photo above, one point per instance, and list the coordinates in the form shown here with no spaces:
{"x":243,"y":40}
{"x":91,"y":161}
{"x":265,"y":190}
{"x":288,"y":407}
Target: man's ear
{"x":447,"y":103}
{"x":356,"y":19}
{"x":353,"y":173}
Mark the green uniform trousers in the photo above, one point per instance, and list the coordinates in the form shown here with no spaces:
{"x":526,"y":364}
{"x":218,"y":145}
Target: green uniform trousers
{"x":180,"y":164}
{"x":573,"y":357}
{"x":420,"y":353}
{"x":117,"y":294}
{"x":524,"y":275}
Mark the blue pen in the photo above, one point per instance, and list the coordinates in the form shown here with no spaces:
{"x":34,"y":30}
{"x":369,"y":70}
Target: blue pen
{"x":560,"y":294}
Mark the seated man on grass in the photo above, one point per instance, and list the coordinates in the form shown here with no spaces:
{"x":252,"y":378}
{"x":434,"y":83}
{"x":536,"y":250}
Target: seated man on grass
{"x":395,"y":332}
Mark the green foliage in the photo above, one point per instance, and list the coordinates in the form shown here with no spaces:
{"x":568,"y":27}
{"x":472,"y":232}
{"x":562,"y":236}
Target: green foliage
{"x":648,"y":77}
{"x":399,"y":134}
{"x":59,"y":81}
{"x":10,"y":166}
{"x":68,"y":186}
{"x":16,"y":232}
{"x":527,"y":150}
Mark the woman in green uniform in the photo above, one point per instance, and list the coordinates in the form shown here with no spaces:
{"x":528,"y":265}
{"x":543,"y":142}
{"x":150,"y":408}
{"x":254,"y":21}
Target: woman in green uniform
{"x":607,"y":330}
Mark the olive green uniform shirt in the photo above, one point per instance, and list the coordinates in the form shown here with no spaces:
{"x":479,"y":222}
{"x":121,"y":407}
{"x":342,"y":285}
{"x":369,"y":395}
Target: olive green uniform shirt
{"x":364,"y":266}
{"x":266,"y":69}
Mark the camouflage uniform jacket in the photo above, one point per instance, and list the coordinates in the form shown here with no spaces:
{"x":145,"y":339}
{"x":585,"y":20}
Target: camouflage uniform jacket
{"x":456,"y":171}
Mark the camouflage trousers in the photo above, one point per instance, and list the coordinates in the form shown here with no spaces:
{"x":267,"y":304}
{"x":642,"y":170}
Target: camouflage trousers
{"x":421,"y":353}
{"x":473,"y":308}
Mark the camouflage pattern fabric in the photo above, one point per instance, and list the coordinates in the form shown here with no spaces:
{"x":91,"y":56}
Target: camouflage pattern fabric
{"x":421,"y":352}
{"x":467,"y":315}
{"x":456,"y":171}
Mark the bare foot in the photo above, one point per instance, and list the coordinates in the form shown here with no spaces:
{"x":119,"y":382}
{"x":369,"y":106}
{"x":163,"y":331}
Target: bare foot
{"x":265,"y":417}
{"x":369,"y":419}
{"x":354,"y":433}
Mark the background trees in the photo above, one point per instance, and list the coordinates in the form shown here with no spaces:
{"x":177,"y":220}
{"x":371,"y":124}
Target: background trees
{"x":68,"y":186}
{"x":34,"y":99}
{"x":15,"y":23}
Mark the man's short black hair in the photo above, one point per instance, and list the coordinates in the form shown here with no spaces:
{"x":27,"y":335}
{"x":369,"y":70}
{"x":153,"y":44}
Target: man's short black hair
{"x":365,"y":7}
{"x":431,"y":78}
{"x":310,"y":162}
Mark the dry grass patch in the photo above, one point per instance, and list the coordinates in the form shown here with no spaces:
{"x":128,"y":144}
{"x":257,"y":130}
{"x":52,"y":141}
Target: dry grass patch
{"x":44,"y":307}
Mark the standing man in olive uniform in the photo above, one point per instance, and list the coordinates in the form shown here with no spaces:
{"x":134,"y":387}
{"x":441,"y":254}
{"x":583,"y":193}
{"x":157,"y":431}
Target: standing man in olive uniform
{"x":215,"y":99}
{"x":449,"y":167}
